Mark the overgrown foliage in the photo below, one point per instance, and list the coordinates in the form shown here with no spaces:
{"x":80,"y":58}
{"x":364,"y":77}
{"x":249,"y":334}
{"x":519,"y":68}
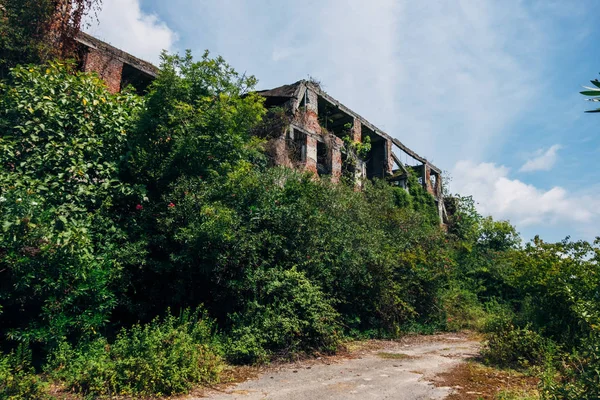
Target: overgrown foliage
{"x":17,"y":376}
{"x":37,"y":31}
{"x":164,"y":357}
{"x":61,"y":200}
{"x":117,"y":209}
{"x":593,"y":93}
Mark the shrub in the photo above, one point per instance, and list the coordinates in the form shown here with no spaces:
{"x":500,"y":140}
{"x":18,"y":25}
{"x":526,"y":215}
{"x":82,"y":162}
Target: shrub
{"x":580,"y":375}
{"x":17,"y":377}
{"x":462,"y":309}
{"x":515,"y":347}
{"x":161,"y":358}
{"x":289,"y":314}
{"x":61,"y":250}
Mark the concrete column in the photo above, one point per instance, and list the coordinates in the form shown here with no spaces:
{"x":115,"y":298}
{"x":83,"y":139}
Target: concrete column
{"x":312,"y":101}
{"x":357,"y":130}
{"x":311,"y":154}
{"x":360,"y":173}
{"x":335,"y":157}
{"x":389,"y":162}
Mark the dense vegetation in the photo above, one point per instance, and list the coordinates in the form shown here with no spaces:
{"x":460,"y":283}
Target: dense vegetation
{"x":145,"y":242}
{"x":37,"y":31}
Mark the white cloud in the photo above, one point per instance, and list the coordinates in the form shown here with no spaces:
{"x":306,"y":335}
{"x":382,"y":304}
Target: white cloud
{"x":123,"y":24}
{"x":523,"y":204}
{"x":447,"y":78}
{"x":542,"y":160}
{"x":467,"y":75}
{"x":348,"y":45}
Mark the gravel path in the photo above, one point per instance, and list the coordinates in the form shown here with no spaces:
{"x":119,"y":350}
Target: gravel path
{"x":383,"y":370}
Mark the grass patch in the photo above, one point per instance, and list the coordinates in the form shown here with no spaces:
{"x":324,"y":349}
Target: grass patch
{"x":474,"y":381}
{"x":518,"y":394}
{"x":394,"y":356}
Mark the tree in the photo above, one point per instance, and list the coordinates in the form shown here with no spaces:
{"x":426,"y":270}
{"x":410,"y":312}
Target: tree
{"x":36,"y":31}
{"x":62,"y":136}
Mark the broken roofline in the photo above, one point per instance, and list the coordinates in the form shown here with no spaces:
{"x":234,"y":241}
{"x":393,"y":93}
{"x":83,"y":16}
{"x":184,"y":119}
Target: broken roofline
{"x":124,"y":57}
{"x":296,"y":91}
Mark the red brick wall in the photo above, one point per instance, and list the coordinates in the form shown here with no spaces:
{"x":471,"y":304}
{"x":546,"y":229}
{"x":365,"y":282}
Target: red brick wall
{"x":308,"y":120}
{"x":278,"y":150}
{"x":109,"y":69}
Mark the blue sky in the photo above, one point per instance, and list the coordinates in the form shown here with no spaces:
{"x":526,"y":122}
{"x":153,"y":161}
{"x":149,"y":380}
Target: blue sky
{"x":485,"y":89}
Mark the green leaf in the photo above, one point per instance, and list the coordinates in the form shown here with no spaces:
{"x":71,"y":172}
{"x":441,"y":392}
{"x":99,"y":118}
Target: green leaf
{"x":591,"y":92}
{"x":6,"y":225}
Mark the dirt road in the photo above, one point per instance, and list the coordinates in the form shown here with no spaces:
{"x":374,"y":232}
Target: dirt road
{"x":384,"y":370}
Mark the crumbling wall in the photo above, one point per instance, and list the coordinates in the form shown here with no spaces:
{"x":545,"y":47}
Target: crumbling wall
{"x":310,"y":164}
{"x":334,"y":147}
{"x":427,"y":180}
{"x":388,"y":162}
{"x":116,"y":67}
{"x":378,"y":163}
{"x":279,"y":150}
{"x":306,"y":117}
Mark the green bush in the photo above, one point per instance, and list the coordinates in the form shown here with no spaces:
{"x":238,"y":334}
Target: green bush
{"x":289,"y":314}
{"x":462,"y":309}
{"x":579,"y":377}
{"x":62,"y":248}
{"x":161,"y":358}
{"x":17,"y":377}
{"x":514,"y":347}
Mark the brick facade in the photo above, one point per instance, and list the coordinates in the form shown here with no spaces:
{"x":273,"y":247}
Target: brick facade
{"x":304,"y":144}
{"x":109,"y":68}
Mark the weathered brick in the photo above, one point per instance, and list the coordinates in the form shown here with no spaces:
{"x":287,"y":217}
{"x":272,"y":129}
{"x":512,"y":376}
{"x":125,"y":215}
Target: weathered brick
{"x":308,"y":120}
{"x":335,"y":157}
{"x":357,"y":130}
{"x":427,"y":180}
{"x":109,"y":68}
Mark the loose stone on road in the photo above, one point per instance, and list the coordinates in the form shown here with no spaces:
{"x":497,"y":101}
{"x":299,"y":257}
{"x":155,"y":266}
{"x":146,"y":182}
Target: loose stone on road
{"x":401,"y":369}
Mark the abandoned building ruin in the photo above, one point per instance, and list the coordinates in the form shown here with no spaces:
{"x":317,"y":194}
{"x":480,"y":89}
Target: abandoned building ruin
{"x":319,"y":138}
{"x":116,"y":67}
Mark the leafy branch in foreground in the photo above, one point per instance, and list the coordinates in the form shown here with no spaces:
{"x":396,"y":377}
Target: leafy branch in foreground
{"x":594,"y":93}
